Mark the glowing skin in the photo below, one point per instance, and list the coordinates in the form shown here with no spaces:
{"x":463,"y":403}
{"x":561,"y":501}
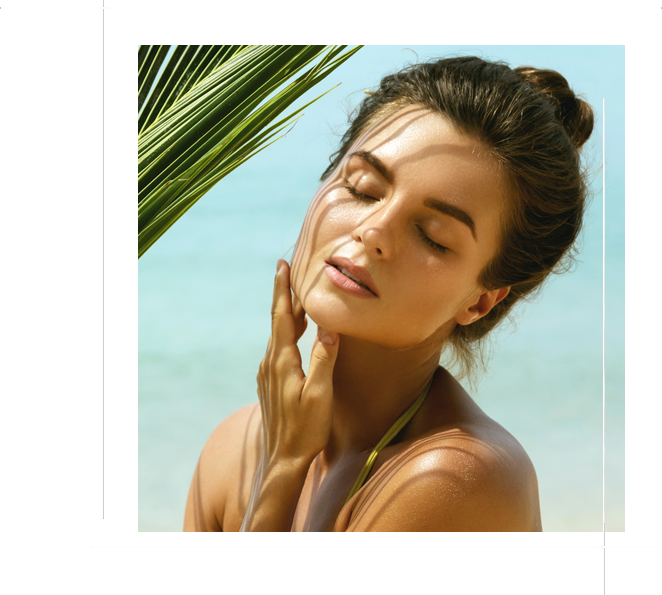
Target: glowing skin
{"x":423,"y":291}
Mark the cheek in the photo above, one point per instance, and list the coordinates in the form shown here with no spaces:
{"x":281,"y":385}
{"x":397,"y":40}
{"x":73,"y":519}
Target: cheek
{"x":427,"y":311}
{"x":327,"y":222}
{"x":315,"y":216}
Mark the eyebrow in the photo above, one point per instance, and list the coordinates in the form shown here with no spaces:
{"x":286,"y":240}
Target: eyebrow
{"x":432,"y":203}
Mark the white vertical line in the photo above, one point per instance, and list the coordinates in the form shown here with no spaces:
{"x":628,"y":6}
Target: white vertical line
{"x":604,"y":204}
{"x":103,"y":261}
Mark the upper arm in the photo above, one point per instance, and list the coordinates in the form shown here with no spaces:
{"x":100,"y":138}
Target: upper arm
{"x":452,"y":485}
{"x":223,"y":475}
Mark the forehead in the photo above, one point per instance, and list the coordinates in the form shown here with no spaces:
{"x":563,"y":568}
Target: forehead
{"x":425,"y":148}
{"x":415,"y":133}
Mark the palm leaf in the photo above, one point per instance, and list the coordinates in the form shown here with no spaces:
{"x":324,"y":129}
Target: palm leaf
{"x":211,"y":109}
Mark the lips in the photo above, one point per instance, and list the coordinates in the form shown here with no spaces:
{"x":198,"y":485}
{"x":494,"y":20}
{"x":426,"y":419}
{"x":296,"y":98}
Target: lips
{"x":357,"y":274}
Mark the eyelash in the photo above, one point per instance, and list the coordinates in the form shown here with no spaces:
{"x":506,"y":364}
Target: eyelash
{"x":364,"y":197}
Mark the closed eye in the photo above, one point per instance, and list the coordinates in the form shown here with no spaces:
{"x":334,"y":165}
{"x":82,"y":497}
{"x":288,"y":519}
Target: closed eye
{"x":364,"y":197}
{"x":353,"y":191}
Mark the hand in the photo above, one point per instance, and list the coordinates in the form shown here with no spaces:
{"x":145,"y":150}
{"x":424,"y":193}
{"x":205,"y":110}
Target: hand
{"x":296,"y":410}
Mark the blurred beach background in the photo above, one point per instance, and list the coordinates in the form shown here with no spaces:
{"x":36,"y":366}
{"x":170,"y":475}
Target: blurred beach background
{"x":205,"y":295}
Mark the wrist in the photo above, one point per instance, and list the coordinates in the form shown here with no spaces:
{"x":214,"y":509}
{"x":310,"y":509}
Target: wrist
{"x":276,"y":491}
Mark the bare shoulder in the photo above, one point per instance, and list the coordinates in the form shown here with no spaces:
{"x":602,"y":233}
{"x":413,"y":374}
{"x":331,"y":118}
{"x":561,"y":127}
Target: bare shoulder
{"x":223,"y":476}
{"x":472,"y":476}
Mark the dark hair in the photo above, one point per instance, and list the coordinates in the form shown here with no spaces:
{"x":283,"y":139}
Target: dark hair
{"x":535,"y":126}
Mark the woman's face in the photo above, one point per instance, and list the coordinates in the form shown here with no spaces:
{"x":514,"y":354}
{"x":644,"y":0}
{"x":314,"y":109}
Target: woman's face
{"x":413,"y":212}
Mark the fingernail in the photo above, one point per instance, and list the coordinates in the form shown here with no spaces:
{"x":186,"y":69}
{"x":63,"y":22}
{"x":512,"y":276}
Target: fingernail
{"x":327,"y":337}
{"x":279,"y":265}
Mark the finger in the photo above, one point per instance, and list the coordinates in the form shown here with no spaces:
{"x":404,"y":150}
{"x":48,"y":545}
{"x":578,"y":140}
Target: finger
{"x":297,"y":307}
{"x":299,"y":315}
{"x":282,"y":322}
{"x":301,"y":328}
{"x":319,"y":383}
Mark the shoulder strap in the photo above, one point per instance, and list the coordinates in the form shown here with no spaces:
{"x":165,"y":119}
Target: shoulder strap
{"x":392,"y":433}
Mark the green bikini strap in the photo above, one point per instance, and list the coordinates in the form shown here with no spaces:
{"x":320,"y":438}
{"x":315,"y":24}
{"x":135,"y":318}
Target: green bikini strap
{"x":392,"y":433}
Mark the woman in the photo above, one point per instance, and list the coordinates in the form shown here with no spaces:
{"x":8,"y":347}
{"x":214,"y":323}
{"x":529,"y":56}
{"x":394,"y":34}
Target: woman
{"x":456,"y":191}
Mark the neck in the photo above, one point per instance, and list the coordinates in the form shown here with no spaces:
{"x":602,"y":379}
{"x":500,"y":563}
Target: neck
{"x":372,"y":387}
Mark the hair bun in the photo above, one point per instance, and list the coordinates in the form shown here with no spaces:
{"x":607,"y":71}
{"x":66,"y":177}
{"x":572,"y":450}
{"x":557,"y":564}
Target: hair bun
{"x":574,"y":113}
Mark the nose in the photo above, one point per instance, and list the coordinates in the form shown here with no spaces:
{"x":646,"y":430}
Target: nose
{"x":376,"y":233}
{"x":374,"y":242}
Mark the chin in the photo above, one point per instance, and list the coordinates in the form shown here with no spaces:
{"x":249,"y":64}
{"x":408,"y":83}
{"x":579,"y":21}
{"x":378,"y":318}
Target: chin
{"x":334,"y":316}
{"x":325,"y":311}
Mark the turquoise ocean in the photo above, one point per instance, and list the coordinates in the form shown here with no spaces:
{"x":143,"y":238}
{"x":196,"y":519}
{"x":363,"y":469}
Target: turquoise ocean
{"x":205,"y":294}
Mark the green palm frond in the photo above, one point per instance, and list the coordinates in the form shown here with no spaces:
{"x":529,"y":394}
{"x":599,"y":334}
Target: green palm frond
{"x":211,"y":109}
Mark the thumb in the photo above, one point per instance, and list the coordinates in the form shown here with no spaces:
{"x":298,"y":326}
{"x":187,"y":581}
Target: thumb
{"x":327,"y":337}
{"x":322,"y":360}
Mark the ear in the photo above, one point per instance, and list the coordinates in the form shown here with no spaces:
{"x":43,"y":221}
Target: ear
{"x":481,"y":305}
